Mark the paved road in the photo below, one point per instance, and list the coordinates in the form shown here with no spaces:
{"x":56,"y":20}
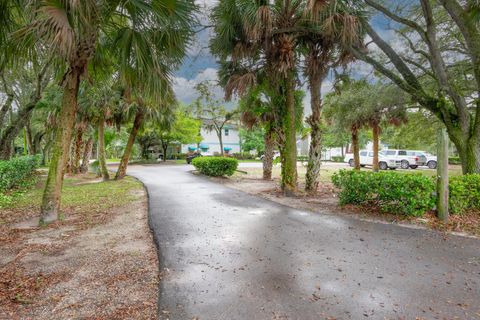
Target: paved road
{"x":228,"y":255}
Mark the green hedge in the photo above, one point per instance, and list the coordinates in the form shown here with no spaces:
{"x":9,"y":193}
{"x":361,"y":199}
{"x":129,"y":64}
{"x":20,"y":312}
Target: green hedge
{"x":464,"y":193}
{"x":337,"y":158}
{"x":13,"y":172}
{"x":215,"y":166}
{"x":406,"y":194}
{"x":454,"y":160}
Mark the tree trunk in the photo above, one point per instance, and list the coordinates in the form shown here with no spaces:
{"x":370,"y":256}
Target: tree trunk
{"x":63,"y":136}
{"x":137,"y":123}
{"x":102,"y":162}
{"x":87,"y":153}
{"x":37,"y":139}
{"x":315,"y":151}
{"x":268,"y":155}
{"x":13,"y":129}
{"x":78,"y":151}
{"x":28,"y":135}
{"x":376,"y":138}
{"x":471,"y":156}
{"x":355,"y":147}
{"x":289,"y":177}
{"x":164,"y":147}
{"x":220,"y":140}
{"x":5,"y":108}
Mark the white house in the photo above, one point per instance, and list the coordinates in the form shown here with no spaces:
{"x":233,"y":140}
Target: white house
{"x":210,"y":143}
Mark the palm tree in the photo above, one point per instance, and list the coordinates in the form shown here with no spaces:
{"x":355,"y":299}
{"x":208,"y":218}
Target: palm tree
{"x":143,"y":33}
{"x":258,"y":112}
{"x":333,"y":27}
{"x":265,"y":34}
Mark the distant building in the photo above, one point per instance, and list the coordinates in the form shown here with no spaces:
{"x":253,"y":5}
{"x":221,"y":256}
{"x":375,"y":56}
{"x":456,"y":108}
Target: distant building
{"x":210,"y":143}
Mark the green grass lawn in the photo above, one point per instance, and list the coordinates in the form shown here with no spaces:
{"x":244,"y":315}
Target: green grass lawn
{"x":83,"y":193}
{"x":327,"y":172}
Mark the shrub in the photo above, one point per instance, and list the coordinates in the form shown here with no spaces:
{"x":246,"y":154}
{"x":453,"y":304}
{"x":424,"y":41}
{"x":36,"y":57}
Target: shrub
{"x":215,"y":166}
{"x":337,"y":159}
{"x":13,"y":172}
{"x":243,"y":156}
{"x":302,"y":158}
{"x":406,"y":194}
{"x":454,"y":160}
{"x":464,"y":193}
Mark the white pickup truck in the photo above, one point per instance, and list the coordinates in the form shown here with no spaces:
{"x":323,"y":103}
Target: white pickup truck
{"x":405,"y":158}
{"x":366,"y":159}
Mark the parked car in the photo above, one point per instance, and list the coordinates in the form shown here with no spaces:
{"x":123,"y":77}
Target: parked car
{"x":428,"y":159}
{"x":366,"y":159}
{"x":404,"y":158}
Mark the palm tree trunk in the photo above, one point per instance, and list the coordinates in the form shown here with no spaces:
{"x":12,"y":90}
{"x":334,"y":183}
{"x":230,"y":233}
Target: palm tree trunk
{"x":315,"y":151}
{"x":137,"y":123}
{"x":289,"y":176}
{"x":87,"y":153}
{"x":78,"y":151}
{"x":101,"y":150}
{"x":63,"y":136}
{"x":355,"y":147}
{"x":376,"y":138}
{"x":268,"y":155}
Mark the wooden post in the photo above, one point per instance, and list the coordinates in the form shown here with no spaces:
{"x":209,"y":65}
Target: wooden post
{"x":442,"y":175}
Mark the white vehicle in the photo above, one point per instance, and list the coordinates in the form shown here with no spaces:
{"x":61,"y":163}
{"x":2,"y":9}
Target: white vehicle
{"x":366,"y":159}
{"x":428,"y":159}
{"x":404,"y":158}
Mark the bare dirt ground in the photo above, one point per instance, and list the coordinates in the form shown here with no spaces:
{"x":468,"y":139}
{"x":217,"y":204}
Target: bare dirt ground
{"x":325,"y":201}
{"x":105,"y":268}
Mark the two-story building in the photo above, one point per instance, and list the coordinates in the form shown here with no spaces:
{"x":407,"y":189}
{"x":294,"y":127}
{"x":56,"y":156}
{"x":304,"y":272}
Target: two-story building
{"x":211,"y":144}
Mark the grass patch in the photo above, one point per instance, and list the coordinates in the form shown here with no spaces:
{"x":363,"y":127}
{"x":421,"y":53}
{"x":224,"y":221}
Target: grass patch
{"x":326,"y":172}
{"x":83,"y":194}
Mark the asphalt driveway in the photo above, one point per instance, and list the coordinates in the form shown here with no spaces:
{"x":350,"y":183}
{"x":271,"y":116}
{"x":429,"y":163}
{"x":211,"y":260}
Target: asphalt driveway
{"x":228,"y":255}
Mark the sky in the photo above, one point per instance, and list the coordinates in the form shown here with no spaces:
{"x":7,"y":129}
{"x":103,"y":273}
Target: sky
{"x":199,"y":64}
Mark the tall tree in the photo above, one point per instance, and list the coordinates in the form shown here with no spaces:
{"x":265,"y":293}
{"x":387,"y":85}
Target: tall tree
{"x":430,"y":33}
{"x":334,"y":26}
{"x":144,"y":34}
{"x":212,"y":112}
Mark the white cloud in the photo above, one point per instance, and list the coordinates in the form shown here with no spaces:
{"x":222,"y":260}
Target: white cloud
{"x":185,"y":88}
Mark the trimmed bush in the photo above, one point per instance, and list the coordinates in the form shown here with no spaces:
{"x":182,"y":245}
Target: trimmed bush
{"x":405,"y":194}
{"x":454,"y":160}
{"x":337,"y":159}
{"x":215,"y":166}
{"x":464,"y":193}
{"x":13,"y":172}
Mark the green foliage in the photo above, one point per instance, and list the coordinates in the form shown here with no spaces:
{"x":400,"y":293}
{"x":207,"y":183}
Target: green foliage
{"x":418,"y":133}
{"x":13,"y":172}
{"x":253,"y":139}
{"x":405,"y":194}
{"x":337,"y":159}
{"x":464,"y":193}
{"x":215,"y":166}
{"x":243,"y":156}
{"x":454,"y":160}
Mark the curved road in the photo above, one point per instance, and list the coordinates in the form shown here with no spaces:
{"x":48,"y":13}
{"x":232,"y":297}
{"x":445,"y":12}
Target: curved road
{"x":228,"y":255}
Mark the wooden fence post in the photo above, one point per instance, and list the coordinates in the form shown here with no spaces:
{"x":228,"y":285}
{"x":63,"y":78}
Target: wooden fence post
{"x":442,"y":175}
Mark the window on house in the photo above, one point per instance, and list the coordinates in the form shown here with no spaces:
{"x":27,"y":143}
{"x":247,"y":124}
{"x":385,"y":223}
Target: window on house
{"x":226,"y":132}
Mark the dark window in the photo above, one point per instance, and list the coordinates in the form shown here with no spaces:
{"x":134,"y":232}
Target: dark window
{"x":226,"y":132}
{"x":363,"y":153}
{"x":402,"y":153}
{"x":390,"y":153}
